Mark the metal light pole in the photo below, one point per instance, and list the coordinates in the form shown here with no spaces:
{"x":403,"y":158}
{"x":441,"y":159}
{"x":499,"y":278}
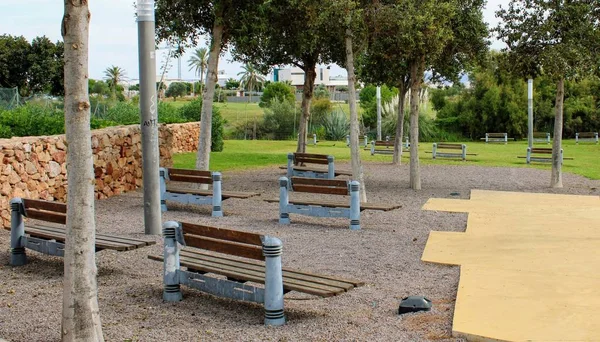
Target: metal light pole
{"x":149,"y":116}
{"x":378,"y":113}
{"x":530,"y":112}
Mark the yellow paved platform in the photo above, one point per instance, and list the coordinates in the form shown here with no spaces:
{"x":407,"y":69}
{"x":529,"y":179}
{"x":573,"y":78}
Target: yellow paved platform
{"x":530,"y":266}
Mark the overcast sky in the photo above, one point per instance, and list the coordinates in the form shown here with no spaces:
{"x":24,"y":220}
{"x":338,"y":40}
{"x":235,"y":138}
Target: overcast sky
{"x":113,"y":33}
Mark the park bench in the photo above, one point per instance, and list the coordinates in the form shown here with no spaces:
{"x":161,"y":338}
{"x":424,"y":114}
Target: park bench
{"x":541,"y":137}
{"x":586,"y":137}
{"x":349,"y":208}
{"x":50,"y":239}
{"x":384,"y":147}
{"x":189,"y":195}
{"x":240,"y":257}
{"x":542,"y":155}
{"x":445,"y":153}
{"x":365,"y":140}
{"x":296,"y":166}
{"x":496,"y":137}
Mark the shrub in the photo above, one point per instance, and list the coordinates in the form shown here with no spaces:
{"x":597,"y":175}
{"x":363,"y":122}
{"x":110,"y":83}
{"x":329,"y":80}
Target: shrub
{"x":277,"y":90}
{"x":176,"y":89}
{"x":31,"y":120}
{"x":217,"y":130}
{"x":123,"y":113}
{"x":321,"y":92}
{"x":336,"y":126}
{"x":319,"y":109}
{"x":279,"y":119}
{"x":192,"y":110}
{"x":167,"y":113}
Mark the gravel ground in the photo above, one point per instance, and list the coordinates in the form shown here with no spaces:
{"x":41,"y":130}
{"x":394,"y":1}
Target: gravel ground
{"x":385,"y":254}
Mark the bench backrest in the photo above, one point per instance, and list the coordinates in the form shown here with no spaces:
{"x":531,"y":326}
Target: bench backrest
{"x":190,"y":176}
{"x":310,"y":158}
{"x":449,"y":146}
{"x":540,"y":134}
{"x":45,"y":210}
{"x":226,"y":241}
{"x":542,"y":150}
{"x":320,"y":186}
{"x":496,"y":135}
{"x":384,"y":143}
{"x":587,"y":134}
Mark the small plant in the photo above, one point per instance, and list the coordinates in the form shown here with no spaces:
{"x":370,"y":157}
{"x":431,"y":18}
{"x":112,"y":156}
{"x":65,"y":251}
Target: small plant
{"x":336,"y":126}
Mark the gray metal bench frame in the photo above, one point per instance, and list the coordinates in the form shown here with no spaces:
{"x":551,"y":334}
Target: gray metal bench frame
{"x":365,"y":139}
{"x":215,"y":200}
{"x":389,"y":147}
{"x":293,"y":172}
{"x":541,"y":137}
{"x":587,"y":137}
{"x":496,"y":137}
{"x":444,"y":146}
{"x":353,"y":212}
{"x":532,"y":157}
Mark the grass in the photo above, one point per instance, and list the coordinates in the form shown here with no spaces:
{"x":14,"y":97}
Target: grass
{"x":248,"y":154}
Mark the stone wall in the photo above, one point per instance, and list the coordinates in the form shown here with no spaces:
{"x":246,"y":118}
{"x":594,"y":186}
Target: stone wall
{"x":35,"y":167}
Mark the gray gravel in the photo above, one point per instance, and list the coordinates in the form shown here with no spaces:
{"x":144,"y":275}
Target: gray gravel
{"x":385,"y":254}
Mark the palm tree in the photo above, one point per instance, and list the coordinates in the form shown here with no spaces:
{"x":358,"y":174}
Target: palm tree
{"x":251,"y":79}
{"x":113,"y":76}
{"x":199,"y":62}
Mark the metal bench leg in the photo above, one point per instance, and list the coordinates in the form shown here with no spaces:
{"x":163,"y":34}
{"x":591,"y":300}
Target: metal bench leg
{"x":372,"y":147}
{"x":354,"y":205}
{"x":290,"y":166}
{"x":528,"y":155}
{"x":366,"y":141}
{"x":330,"y":167}
{"x":315,"y":139}
{"x":172,"y":289}
{"x":284,"y":216}
{"x":163,"y":188}
{"x":272,"y":249}
{"x":347,"y":140}
{"x":217,"y":197}
{"x":434,"y":150}
{"x":464,"y":152}
{"x":17,"y":233}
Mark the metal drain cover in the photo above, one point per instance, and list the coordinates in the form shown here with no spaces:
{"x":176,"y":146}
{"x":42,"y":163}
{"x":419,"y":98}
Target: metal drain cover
{"x":414,"y":304}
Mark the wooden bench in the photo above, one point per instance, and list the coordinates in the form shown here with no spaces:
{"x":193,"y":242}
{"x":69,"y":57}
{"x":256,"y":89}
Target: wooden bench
{"x":542,"y":155}
{"x":541,"y":137}
{"x":365,"y":139}
{"x":296,"y":166}
{"x":496,"y":137}
{"x":384,"y":147}
{"x":51,"y":239}
{"x":187,"y":195}
{"x":350,"y":208}
{"x":586,"y":137}
{"x":448,"y":146}
{"x":256,"y":258}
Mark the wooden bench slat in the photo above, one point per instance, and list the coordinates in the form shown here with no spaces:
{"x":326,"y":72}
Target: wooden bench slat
{"x":311,"y":155}
{"x":222,"y":246}
{"x":320,"y":189}
{"x":61,"y":236}
{"x":130,"y":243}
{"x":310,"y":161}
{"x":45,"y":205}
{"x":321,"y":182}
{"x":291,"y":273}
{"x":334,"y":204}
{"x":47,"y":216}
{"x":189,"y":172}
{"x":224,"y":194}
{"x":191,"y":179}
{"x":450,"y":146}
{"x":225,"y":234}
{"x":199,"y":259}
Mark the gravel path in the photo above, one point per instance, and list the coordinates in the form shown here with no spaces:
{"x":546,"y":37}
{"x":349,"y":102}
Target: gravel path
{"x":385,"y":254}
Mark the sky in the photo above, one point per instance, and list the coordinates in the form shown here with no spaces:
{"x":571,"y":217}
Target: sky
{"x":113,"y":34}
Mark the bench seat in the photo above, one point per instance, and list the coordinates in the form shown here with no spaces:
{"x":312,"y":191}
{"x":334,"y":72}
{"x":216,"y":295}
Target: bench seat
{"x":296,"y":166}
{"x":224,"y":194}
{"x":319,"y":170}
{"x":254,"y":271}
{"x":338,"y":204}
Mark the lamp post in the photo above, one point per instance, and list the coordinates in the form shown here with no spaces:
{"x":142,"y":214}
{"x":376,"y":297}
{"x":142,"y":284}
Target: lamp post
{"x":149,"y":116}
{"x":378,"y":113}
{"x":530,"y":112}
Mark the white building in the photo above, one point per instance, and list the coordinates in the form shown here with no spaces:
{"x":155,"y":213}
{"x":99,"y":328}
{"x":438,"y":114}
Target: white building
{"x":296,"y":77}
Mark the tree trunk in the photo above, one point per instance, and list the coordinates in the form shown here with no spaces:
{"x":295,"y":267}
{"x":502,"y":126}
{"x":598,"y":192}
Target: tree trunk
{"x":397,"y":158}
{"x":80,"y":314}
{"x":307,"y":94}
{"x":416,"y":76}
{"x":204,"y":140}
{"x":556,"y":178}
{"x":201,"y":81}
{"x":357,"y":172}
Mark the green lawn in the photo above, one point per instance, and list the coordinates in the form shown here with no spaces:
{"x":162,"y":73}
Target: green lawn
{"x":247,"y":154}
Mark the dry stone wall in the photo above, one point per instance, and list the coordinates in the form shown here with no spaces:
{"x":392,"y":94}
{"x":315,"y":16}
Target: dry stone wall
{"x":35,"y":167}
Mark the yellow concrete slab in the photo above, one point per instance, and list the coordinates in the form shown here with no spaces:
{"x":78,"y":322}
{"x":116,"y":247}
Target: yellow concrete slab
{"x":529,"y":265}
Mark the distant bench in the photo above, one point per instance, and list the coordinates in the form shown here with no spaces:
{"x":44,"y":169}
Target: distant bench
{"x":51,"y":239}
{"x":351,"y":208}
{"x":541,"y":137}
{"x":297,"y":161}
{"x":188,"y":195}
{"x":257,"y":259}
{"x":542,"y":155}
{"x":586,"y":137}
{"x":365,"y":140}
{"x":384,"y":147}
{"x":444,"y":153}
{"x":496,"y":137}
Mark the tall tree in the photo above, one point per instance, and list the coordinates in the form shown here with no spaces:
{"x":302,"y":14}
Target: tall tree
{"x":113,"y":76}
{"x":287,"y":32}
{"x":198,"y":62}
{"x":251,"y":79}
{"x":80,"y":313}
{"x":559,"y":38}
{"x":184,"y":23}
